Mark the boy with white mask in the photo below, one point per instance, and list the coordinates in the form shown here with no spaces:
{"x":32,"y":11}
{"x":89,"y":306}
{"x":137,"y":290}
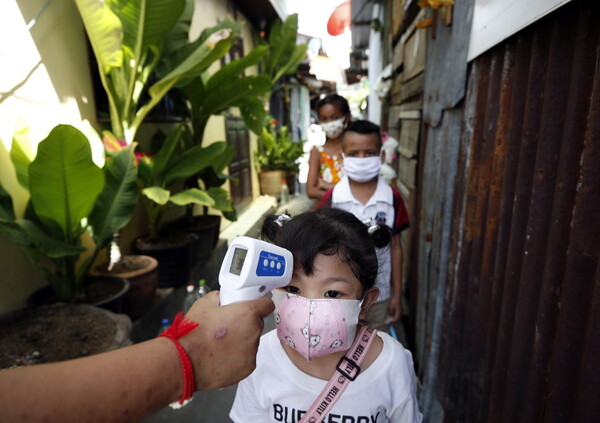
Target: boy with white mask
{"x":318,"y":337}
{"x":363,"y":192}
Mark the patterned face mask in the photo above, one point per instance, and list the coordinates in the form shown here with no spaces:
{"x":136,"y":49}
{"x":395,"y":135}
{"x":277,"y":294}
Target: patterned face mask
{"x":315,"y":327}
{"x":334,"y":128}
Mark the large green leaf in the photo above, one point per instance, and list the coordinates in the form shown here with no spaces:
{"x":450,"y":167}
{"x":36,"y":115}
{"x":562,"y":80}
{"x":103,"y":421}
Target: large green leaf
{"x":116,"y":203}
{"x":221,"y":199}
{"x":284,"y":55}
{"x":282,"y":38}
{"x":146,"y":22}
{"x":294,"y":60}
{"x":13,"y":233}
{"x":193,"y":161}
{"x":235,"y":68}
{"x":222,"y":160}
{"x":157,"y":194}
{"x":21,"y":154}
{"x":192,"y":196}
{"x":49,"y":245}
{"x":64,"y":181}
{"x":104,"y":32}
{"x":7,"y":210}
{"x":190,"y":60}
{"x":164,"y":156}
{"x":179,"y":35}
{"x":233,"y":93}
{"x":253,"y":113}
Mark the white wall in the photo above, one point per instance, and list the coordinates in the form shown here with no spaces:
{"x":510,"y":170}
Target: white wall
{"x":44,"y":79}
{"x":496,"y":20}
{"x":375,"y":66}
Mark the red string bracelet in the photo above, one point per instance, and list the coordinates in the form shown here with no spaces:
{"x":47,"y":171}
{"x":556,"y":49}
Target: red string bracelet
{"x":180,"y":327}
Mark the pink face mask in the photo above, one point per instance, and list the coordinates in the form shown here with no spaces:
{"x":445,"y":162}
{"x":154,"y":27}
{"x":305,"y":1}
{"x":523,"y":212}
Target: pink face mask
{"x":315,"y":327}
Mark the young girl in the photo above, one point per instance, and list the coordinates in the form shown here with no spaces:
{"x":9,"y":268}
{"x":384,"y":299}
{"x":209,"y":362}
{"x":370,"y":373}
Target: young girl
{"x":325,"y":163}
{"x":317,"y":319}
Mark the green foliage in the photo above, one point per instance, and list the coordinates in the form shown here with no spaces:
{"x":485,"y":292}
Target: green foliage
{"x":173,"y":163}
{"x":213,"y":93}
{"x":276,"y":150}
{"x":69,"y":196}
{"x":284,"y":55}
{"x":133,"y":39}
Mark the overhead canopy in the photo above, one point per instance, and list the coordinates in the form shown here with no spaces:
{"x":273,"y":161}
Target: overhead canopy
{"x":362,"y":12}
{"x":261,"y":12}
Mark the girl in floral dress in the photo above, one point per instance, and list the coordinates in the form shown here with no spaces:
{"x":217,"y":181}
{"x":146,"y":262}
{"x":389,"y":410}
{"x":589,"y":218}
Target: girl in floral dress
{"x":325,"y":163}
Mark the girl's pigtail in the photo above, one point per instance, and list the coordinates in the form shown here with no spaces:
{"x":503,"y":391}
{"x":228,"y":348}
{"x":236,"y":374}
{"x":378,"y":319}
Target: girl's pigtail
{"x":271,"y":226}
{"x":380,"y":234}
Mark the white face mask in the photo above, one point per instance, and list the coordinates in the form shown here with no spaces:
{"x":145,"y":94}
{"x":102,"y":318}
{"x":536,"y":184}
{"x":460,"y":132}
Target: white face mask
{"x":318,"y":327}
{"x":362,"y":169}
{"x":334,"y":128}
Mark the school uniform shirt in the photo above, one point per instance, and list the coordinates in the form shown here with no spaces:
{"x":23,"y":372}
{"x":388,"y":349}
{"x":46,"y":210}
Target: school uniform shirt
{"x":278,"y":392}
{"x":385,"y":206}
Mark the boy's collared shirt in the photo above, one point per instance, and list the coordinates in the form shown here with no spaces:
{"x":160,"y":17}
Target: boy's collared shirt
{"x":385,"y":206}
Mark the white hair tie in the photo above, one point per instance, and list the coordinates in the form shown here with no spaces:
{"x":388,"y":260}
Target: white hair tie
{"x":372,"y":226}
{"x":281,"y":219}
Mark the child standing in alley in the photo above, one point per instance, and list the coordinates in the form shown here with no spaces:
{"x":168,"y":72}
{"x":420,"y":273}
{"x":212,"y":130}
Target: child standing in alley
{"x":318,"y":337}
{"x":363,"y":192}
{"x":325,"y":162}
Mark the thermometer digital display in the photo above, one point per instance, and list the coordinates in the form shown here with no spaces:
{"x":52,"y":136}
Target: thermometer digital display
{"x":251,"y":268}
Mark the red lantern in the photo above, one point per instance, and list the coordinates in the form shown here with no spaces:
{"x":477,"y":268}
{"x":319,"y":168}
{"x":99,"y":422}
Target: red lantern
{"x":340,"y":18}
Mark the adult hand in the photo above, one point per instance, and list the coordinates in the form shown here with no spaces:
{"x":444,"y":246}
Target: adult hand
{"x":223,"y":347}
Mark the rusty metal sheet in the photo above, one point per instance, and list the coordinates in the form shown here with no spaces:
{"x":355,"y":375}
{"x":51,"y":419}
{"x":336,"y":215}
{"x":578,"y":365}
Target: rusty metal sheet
{"x":518,"y":334}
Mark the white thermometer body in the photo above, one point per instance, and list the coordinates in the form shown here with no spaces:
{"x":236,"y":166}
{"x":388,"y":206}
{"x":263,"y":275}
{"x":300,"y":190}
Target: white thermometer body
{"x":251,"y":268}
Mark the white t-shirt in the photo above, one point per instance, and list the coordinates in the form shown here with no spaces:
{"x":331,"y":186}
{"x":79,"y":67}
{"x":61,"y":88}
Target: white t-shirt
{"x":277,"y":391}
{"x":379,"y":207}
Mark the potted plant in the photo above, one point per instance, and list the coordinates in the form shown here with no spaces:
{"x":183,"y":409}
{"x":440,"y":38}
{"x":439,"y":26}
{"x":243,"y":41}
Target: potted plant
{"x":69,"y":197}
{"x":209,"y":94}
{"x":143,"y":52}
{"x":214,"y":93}
{"x":276,"y":157}
{"x":142,"y":47}
{"x":159,"y":178}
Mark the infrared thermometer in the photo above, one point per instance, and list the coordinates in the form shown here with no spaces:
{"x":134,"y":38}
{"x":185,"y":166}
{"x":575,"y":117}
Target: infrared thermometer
{"x":252,"y":268}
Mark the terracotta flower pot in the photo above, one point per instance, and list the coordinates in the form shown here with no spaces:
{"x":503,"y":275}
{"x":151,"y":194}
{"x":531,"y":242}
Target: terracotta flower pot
{"x":142,"y":273}
{"x":270,"y":182}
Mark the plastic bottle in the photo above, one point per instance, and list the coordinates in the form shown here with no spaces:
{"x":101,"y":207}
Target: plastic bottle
{"x":190,"y":298}
{"x":193,"y":294}
{"x":284,"y":194}
{"x":203,"y":289}
{"x":164,"y":325}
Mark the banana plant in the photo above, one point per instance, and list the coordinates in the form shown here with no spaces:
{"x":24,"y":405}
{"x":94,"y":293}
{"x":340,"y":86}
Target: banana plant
{"x":284,"y":55}
{"x":69,"y":195}
{"x":158,"y":173}
{"x":212,"y":93}
{"x":132,"y":39}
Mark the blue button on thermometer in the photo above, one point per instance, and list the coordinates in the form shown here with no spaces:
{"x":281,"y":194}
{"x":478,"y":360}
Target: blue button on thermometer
{"x":252,"y":268}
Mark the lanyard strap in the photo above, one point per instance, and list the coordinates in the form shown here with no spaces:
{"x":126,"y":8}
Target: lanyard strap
{"x":346,"y":371}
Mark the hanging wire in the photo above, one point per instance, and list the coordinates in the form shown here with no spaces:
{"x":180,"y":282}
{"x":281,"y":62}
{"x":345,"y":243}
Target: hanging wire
{"x":32,"y":22}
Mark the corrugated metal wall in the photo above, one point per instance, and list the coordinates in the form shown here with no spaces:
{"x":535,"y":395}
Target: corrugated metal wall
{"x":519,"y":335}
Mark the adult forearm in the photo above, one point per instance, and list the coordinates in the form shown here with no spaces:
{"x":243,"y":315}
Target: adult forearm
{"x":133,"y":382}
{"x":118,"y":386}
